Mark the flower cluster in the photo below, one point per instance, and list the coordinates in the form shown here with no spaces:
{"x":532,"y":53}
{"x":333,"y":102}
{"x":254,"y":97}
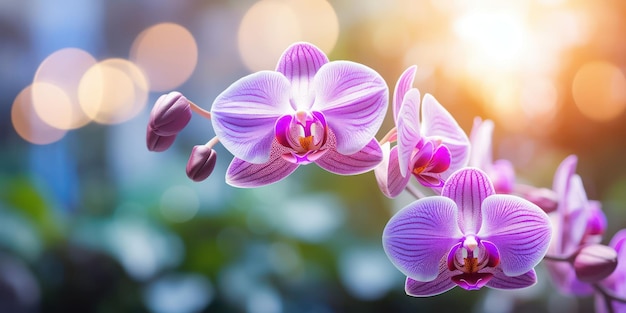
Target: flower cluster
{"x":472,"y":224}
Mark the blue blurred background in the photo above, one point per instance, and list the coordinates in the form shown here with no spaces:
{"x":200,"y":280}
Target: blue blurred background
{"x":90,"y":221}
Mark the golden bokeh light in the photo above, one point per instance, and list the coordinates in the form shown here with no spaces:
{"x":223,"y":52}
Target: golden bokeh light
{"x":167,"y":53}
{"x":27,"y":123}
{"x":539,"y":99}
{"x":599,"y":90}
{"x":113,"y":91}
{"x":270,"y":26}
{"x":63,"y":69}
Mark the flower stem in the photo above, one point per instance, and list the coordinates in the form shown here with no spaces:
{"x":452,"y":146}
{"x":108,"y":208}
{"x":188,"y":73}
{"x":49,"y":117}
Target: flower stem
{"x":557,"y":258}
{"x":390,"y":136}
{"x":212,"y":142}
{"x":204,"y":113}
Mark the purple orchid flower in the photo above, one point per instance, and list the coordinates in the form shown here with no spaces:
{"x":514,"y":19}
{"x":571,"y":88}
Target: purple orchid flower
{"x":469,"y":236}
{"x":501,"y":171}
{"x":429,"y":150}
{"x":577,"y":222}
{"x":309,"y":110}
{"x":616,"y":282}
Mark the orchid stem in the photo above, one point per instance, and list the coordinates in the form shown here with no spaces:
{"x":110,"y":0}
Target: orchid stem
{"x":557,"y":258}
{"x":204,"y":113}
{"x":212,"y":142}
{"x":390,"y":136}
{"x":414,"y":191}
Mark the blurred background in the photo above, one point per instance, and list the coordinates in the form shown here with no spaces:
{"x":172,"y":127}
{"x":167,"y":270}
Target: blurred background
{"x":90,"y":221}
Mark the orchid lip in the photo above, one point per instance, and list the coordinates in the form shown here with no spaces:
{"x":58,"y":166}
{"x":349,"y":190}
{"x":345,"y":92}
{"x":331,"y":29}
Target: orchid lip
{"x":303,"y":133}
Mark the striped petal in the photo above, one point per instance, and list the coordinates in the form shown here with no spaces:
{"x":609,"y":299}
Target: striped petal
{"x":439,"y":285}
{"x":519,"y":229}
{"x":405,"y":82}
{"x":299,"y":63}
{"x":364,"y":160}
{"x":388,"y":176}
{"x":468,"y":187}
{"x":408,"y":125}
{"x":247,"y":175}
{"x":420,"y":235}
{"x":353,"y":98}
{"x":438,"y":122}
{"x":501,"y":281}
{"x":243,"y":115}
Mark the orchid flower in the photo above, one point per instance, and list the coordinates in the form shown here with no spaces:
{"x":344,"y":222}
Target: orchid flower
{"x":616,"y":282}
{"x":501,"y":171}
{"x":469,"y":236}
{"x":577,"y":222}
{"x":429,"y":149}
{"x":309,"y":110}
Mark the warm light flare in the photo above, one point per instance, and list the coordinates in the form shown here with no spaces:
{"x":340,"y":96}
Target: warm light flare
{"x":27,"y":122}
{"x":599,"y":90}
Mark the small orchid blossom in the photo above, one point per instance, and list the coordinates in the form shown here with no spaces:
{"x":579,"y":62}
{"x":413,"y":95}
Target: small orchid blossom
{"x":577,"y":222}
{"x":309,"y":110}
{"x":616,"y":282}
{"x":501,"y":171}
{"x":429,"y":149}
{"x":469,"y":236}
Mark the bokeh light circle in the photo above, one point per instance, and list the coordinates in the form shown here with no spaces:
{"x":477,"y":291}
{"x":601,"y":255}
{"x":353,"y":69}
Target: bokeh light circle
{"x":167,"y":53}
{"x":270,"y":26}
{"x":113,"y":91}
{"x":63,"y":69}
{"x":27,"y":123}
{"x":599,"y":90}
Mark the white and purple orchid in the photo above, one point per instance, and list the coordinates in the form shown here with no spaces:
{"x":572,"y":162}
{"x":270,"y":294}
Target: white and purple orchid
{"x":468,"y":237}
{"x":429,"y":149}
{"x":577,"y":222}
{"x":309,"y":110}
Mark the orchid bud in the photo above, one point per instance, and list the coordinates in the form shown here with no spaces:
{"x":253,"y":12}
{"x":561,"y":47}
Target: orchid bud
{"x":170,"y":114}
{"x":595,"y":262}
{"x":201,"y":162}
{"x":158,"y":143}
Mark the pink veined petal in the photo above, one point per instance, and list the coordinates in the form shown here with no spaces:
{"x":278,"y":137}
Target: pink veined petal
{"x":441,"y":160}
{"x":423,"y":156}
{"x":380,"y":171}
{"x":353,"y":98}
{"x":468,"y":187}
{"x":408,"y":125}
{"x":501,"y":281}
{"x":395,"y":182}
{"x":481,"y":153}
{"x":299,"y":63}
{"x":243,"y":115}
{"x":247,"y":175}
{"x":439,"y":285}
{"x":578,"y":213}
{"x":519,"y":229}
{"x":419,"y":237}
{"x":438,"y":122}
{"x":405,"y":82}
{"x":364,"y":160}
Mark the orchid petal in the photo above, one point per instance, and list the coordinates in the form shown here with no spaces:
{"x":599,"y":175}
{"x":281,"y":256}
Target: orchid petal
{"x":562,"y":176}
{"x":502,"y":281}
{"x":439,"y":285}
{"x":408,"y":125}
{"x":441,"y":160}
{"x":396,"y":183}
{"x":468,"y":187}
{"x":244,"y":114}
{"x":405,"y":82}
{"x":519,"y":229}
{"x":564,"y":277}
{"x":353,"y":98}
{"x":380,"y":171}
{"x":438,"y":122}
{"x":481,"y":141}
{"x":246,"y":175}
{"x":418,"y":237}
{"x":577,"y":216}
{"x":364,"y":160}
{"x":299,"y":63}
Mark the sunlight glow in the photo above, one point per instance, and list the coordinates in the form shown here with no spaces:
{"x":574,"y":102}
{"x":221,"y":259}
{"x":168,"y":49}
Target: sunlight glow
{"x":27,"y":122}
{"x":599,"y":90}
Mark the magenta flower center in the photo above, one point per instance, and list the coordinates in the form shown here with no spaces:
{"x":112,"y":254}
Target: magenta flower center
{"x":472,"y":256}
{"x":430,"y":159}
{"x":304,"y":134}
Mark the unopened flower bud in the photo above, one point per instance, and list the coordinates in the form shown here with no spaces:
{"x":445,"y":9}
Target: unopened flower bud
{"x":595,"y":262}
{"x":158,"y":143}
{"x":201,"y":163}
{"x":170,"y":114}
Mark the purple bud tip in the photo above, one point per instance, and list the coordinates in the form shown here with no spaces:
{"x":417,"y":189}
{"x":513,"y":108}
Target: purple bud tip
{"x":158,"y":143}
{"x":170,"y":114}
{"x":201,"y":163}
{"x":544,"y":198}
{"x":595,"y":262}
